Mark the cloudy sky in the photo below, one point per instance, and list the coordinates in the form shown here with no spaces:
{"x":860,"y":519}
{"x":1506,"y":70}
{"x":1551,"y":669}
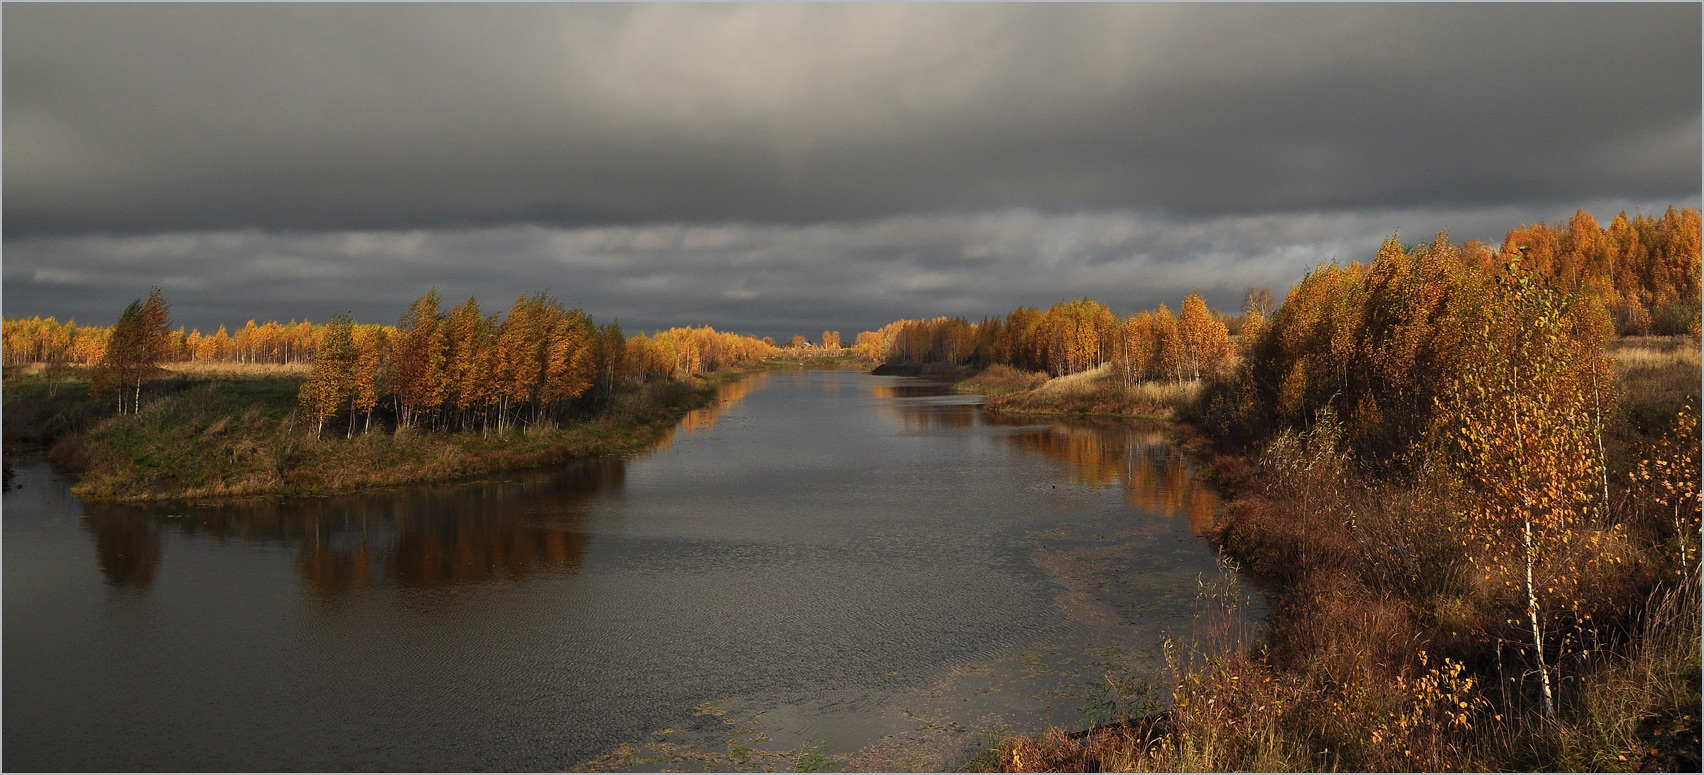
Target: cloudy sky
{"x":781,"y":169}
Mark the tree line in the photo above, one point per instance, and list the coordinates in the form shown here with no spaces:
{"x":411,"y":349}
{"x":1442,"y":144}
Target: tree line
{"x":1067,"y":338}
{"x":459,"y":369}
{"x":678,"y":353}
{"x":47,"y":340}
{"x":466,"y":370}
{"x":1645,"y":269}
{"x":463,"y":369}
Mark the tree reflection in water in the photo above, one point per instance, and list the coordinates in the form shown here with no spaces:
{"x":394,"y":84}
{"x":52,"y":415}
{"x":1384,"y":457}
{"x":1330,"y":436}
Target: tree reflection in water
{"x":1135,"y":455}
{"x":1156,"y":476}
{"x":127,"y":546}
{"x":418,"y":537}
{"x":925,"y":406}
{"x":424,"y":536}
{"x":728,"y":395}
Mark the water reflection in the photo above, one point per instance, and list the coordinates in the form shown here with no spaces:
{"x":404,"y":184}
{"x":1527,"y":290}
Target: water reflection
{"x":1156,"y":476}
{"x":127,"y":548}
{"x":925,"y":406}
{"x":917,"y":389}
{"x":728,"y":395}
{"x":420,"y":537}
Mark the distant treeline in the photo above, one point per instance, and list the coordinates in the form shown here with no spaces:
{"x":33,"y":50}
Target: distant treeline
{"x":46,"y":340}
{"x":455,"y":370}
{"x":1070,"y":337}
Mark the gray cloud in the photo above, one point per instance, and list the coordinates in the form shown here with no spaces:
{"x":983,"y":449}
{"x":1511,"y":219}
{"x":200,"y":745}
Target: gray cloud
{"x":762,"y":279}
{"x":173,"y":118}
{"x":780,"y":169}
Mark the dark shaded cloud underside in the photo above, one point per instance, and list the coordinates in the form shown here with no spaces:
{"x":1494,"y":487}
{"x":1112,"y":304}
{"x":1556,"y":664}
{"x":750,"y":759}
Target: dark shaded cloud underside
{"x":154,"y":118}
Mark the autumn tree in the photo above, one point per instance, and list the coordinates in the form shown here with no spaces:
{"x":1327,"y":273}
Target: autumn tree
{"x":1206,"y":344}
{"x":611,"y":356}
{"x":1259,"y":302}
{"x":1076,"y":335}
{"x":369,"y":372}
{"x":420,"y":354}
{"x":1165,"y":360}
{"x":1519,"y":437}
{"x":1670,"y":473}
{"x":571,"y":364}
{"x":137,"y":345}
{"x":867,"y":345}
{"x":1015,"y":343}
{"x":1135,"y":350}
{"x":522,"y":342}
{"x":1645,"y":269}
{"x":331,"y":386}
{"x":471,"y":387}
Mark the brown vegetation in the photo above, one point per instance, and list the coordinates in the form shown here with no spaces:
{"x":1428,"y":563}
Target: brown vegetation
{"x":1481,"y":544}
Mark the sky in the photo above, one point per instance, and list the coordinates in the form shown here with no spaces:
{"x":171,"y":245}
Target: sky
{"x":781,"y":169}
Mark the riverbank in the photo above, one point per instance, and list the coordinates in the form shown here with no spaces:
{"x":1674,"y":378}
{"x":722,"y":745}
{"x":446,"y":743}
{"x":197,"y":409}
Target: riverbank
{"x":233,"y":430}
{"x":1386,"y":653}
{"x":1093,"y":393}
{"x":240,"y":435}
{"x":841,"y":359}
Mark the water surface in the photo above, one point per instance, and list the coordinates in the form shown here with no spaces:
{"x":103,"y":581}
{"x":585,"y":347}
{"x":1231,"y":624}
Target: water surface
{"x":862,"y":566}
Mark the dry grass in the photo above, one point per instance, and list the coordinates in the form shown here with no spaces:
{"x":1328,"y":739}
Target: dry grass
{"x":1383,"y":649}
{"x":28,"y":370}
{"x":1081,"y":383}
{"x":222,"y":369}
{"x":1172,"y":394}
{"x":1094,"y":392}
{"x":200,"y":369}
{"x":1642,"y":707}
{"x":1000,"y":379}
{"x":1635,"y":353}
{"x":1656,"y":376}
{"x":1658,"y":369}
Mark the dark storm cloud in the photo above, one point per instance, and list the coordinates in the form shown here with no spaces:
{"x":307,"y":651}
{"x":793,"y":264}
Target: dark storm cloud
{"x":775,"y":280}
{"x":174,"y":118}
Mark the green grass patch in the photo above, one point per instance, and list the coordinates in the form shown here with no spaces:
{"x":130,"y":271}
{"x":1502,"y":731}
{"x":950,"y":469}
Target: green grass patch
{"x":200,"y":438}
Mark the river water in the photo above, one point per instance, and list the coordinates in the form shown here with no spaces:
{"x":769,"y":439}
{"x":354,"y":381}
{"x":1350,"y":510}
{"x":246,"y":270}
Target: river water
{"x":831,"y":568}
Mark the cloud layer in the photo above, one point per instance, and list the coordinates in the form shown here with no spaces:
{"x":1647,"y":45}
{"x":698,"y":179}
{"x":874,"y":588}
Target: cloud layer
{"x":164,"y":118}
{"x":782,"y":169}
{"x":774,"y":280}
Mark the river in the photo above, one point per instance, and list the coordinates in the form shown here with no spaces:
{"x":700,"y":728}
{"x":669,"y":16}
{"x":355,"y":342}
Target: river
{"x":868,"y":572}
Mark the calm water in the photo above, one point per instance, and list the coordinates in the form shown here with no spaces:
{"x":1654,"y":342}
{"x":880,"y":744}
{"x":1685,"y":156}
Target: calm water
{"x":858,"y":564}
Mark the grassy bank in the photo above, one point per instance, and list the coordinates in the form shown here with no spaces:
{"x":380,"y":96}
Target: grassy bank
{"x":1387,"y":651}
{"x":234,"y":434}
{"x":842,"y":359}
{"x":1093,"y":393}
